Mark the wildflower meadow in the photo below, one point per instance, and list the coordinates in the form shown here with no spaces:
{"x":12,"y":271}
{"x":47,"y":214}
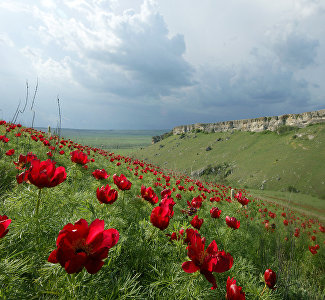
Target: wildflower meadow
{"x":78,"y":222}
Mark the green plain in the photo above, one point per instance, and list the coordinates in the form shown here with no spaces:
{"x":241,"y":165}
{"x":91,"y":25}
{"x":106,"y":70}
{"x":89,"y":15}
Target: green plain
{"x":121,"y":141}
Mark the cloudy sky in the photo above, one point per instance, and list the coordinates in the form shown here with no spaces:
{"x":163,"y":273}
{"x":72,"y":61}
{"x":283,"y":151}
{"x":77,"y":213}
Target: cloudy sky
{"x":156,"y":64}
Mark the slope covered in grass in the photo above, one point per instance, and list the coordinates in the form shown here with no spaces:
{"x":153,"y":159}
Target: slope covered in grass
{"x":292,"y":160}
{"x":144,"y":262}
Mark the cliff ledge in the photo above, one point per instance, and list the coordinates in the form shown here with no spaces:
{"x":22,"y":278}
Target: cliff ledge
{"x":258,"y":124}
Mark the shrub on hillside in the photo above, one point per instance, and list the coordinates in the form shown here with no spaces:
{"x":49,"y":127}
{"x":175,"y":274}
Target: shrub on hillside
{"x":284,"y":129}
{"x":292,"y":189}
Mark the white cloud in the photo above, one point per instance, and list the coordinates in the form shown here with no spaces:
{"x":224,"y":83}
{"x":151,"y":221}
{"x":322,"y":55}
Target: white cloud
{"x":48,"y":68}
{"x":307,"y":8}
{"x":48,"y":4}
{"x":133,"y":47}
{"x":166,"y":61}
{"x":6,"y":40}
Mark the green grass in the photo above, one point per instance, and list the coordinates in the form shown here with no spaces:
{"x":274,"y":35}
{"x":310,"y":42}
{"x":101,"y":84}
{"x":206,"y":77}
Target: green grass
{"x":294,"y":159}
{"x":144,"y":264}
{"x":303,"y":203}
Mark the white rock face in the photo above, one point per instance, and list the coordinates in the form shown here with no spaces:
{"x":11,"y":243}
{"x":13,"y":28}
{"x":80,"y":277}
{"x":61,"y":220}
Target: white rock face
{"x":258,"y":124}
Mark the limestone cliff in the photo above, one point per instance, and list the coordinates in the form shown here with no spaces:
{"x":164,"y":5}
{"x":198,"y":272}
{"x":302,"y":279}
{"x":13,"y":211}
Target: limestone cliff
{"x":258,"y":124}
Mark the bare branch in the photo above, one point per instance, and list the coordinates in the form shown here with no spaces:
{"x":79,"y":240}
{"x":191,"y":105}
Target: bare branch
{"x":14,"y":118}
{"x":26,"y":99}
{"x":35,"y":92}
{"x":59,"y":125}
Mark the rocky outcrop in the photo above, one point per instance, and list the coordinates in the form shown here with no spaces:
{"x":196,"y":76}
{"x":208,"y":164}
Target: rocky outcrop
{"x":258,"y":124}
{"x":158,"y":138}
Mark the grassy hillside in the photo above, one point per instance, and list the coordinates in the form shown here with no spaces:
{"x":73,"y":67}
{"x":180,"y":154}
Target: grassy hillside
{"x":292,"y":160}
{"x":47,"y":250}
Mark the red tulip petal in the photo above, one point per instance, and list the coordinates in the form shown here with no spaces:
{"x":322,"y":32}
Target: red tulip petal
{"x":224,"y":262}
{"x":96,"y":228}
{"x":212,"y":248}
{"x":93,"y":266}
{"x":190,"y":267}
{"x":52,"y":258}
{"x":82,"y":228}
{"x":76,"y":264}
{"x":3,"y":233}
{"x":209,"y":276}
{"x":110,"y":237}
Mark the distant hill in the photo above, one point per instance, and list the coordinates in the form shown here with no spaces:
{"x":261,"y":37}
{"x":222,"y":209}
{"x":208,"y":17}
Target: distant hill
{"x":254,"y":125}
{"x":287,"y":159}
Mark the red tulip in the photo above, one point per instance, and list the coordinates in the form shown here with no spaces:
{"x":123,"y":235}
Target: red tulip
{"x":169,"y":202}
{"x":215,"y":212}
{"x":196,"y":202}
{"x":270,"y":278}
{"x":43,"y":174}
{"x":234,"y":292}
{"x":232,"y":222}
{"x":166,"y":193}
{"x":106,"y":195}
{"x":4,"y":223}
{"x":196,"y":222}
{"x":241,"y":199}
{"x":80,"y":245}
{"x":4,"y":139}
{"x":176,"y":236}
{"x":189,"y":233}
{"x":79,"y":157}
{"x":23,"y":160}
{"x":206,"y":261}
{"x":321,"y":228}
{"x":10,"y":152}
{"x":100,"y":174}
{"x":178,"y":196}
{"x":149,"y":195}
{"x":160,"y":217}
{"x":121,"y":182}
{"x":312,"y":249}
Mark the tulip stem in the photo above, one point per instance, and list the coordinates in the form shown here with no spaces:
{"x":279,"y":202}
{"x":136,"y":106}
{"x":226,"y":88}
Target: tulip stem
{"x":123,"y":204}
{"x":263,"y":291}
{"x":152,"y":233}
{"x":38,"y":201}
{"x":217,"y":232}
